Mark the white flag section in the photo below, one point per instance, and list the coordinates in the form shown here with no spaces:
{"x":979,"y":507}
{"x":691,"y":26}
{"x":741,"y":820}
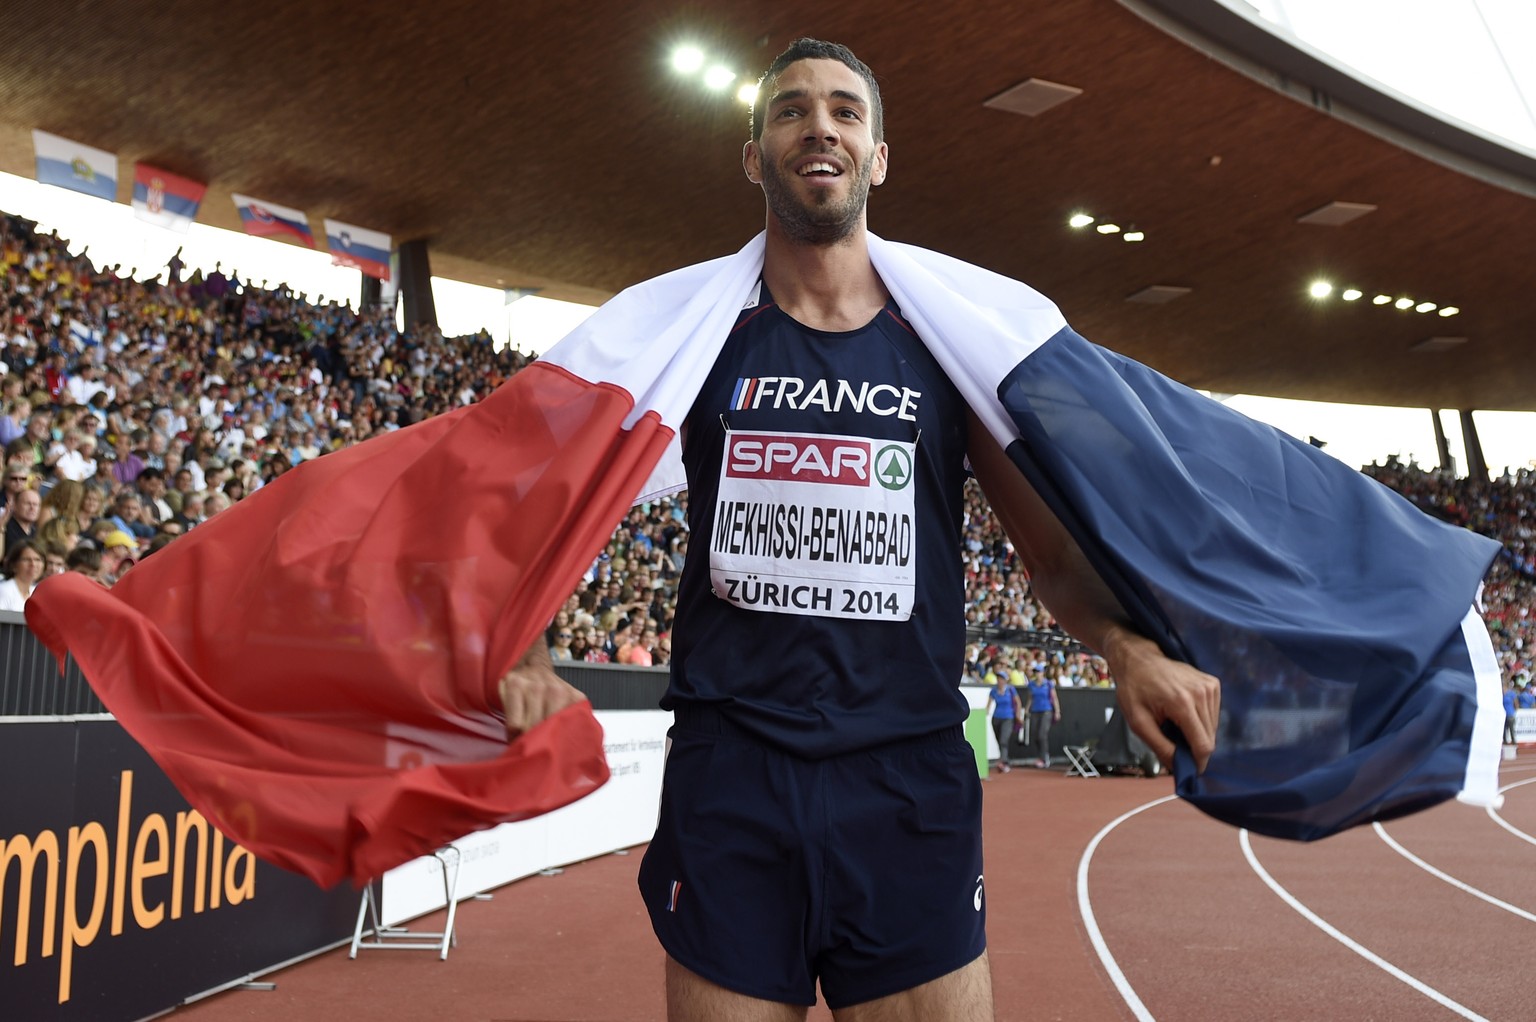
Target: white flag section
{"x":76,"y":166}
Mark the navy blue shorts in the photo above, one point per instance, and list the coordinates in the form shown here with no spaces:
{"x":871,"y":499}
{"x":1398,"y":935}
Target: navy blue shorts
{"x":769,"y":872}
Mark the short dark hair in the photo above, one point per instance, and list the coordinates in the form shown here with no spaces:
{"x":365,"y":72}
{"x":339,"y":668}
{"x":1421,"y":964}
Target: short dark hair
{"x":816,"y":49}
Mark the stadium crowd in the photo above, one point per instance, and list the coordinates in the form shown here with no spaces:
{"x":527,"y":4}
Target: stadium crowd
{"x":131,"y":412}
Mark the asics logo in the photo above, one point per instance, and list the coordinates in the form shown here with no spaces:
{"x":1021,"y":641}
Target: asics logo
{"x":976,"y":901}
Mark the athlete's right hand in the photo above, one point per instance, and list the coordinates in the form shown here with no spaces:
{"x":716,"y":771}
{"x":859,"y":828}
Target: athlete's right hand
{"x":532,"y":692}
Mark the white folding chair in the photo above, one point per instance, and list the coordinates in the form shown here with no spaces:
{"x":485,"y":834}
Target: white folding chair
{"x":1080,"y":761}
{"x":399,"y":938}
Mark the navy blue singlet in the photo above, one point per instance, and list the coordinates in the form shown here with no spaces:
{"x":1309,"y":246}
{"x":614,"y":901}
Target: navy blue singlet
{"x":821,"y":607}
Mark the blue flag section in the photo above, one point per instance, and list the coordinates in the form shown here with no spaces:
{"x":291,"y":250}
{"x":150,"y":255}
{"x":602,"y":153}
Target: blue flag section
{"x":1356,"y":683}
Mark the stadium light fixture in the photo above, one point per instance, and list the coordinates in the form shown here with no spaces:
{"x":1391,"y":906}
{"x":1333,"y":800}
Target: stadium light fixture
{"x":1403,"y":303}
{"x":1320,"y":289}
{"x":747,"y":93}
{"x":1135,"y":236}
{"x":1424,"y":307}
{"x":687,"y":59}
{"x":719,"y":77}
{"x":1449,"y":310}
{"x":1080,"y":220}
{"x":1352,"y":294}
{"x":1108,"y":228}
{"x":1381,"y":299}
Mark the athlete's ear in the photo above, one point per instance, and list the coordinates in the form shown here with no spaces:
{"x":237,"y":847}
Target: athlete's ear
{"x":882,"y":164}
{"x":751,"y":162}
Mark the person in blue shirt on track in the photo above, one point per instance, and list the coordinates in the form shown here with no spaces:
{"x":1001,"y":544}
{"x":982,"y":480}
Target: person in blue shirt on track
{"x":1006,"y":709}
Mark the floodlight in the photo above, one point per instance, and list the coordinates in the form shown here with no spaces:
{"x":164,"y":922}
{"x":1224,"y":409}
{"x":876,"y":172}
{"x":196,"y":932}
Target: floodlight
{"x":1352,"y":294}
{"x":687,"y":59}
{"x":1320,"y":289}
{"x":719,"y":77}
{"x":1080,"y":220}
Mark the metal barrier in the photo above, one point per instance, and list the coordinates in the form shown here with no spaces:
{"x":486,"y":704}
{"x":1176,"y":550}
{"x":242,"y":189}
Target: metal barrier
{"x":31,"y":686}
{"x":30,"y":682}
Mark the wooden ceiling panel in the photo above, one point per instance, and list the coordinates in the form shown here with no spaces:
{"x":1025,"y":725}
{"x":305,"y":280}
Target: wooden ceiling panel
{"x":547,"y":145}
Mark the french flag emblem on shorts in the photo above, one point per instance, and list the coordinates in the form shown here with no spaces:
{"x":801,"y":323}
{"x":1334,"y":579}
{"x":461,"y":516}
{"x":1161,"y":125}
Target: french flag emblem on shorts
{"x":677,"y":890}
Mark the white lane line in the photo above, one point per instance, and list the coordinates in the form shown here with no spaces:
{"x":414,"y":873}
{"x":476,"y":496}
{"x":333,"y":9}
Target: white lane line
{"x":1357,"y":948}
{"x":1458,"y":884}
{"x":1496,"y":818}
{"x":1086,"y":910}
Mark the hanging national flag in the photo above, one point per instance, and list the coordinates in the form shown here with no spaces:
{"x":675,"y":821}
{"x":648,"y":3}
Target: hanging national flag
{"x":358,"y":248}
{"x":268,"y":220}
{"x":77,"y":167}
{"x":165,"y":199}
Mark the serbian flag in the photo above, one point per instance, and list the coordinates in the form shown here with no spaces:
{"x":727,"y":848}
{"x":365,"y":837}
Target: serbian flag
{"x":75,"y":166}
{"x":165,"y":199}
{"x":316,"y":667}
{"x":358,"y":248}
{"x":269,"y":220}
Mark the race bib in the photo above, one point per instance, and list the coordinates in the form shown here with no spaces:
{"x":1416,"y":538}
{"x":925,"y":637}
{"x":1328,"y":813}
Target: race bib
{"x":808,"y":523}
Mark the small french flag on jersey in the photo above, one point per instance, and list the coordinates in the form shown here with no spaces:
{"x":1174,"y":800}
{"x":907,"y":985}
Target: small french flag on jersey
{"x":677,"y":890}
{"x":358,"y":248}
{"x":268,"y":219}
{"x":741,"y":397}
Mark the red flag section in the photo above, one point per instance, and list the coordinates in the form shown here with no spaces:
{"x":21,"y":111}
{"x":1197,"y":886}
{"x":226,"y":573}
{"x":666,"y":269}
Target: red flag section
{"x":316,"y":668}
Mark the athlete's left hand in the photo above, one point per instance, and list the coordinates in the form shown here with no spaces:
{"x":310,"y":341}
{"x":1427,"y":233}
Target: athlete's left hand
{"x":1151,"y":689}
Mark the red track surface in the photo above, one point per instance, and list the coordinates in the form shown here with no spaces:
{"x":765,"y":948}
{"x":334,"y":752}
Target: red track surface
{"x":1196,"y":932}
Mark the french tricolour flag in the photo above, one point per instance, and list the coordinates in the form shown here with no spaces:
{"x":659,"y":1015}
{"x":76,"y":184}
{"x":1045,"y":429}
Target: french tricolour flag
{"x":165,"y":199}
{"x":269,"y":220}
{"x":77,"y":167}
{"x":318,"y":674}
{"x":358,"y":248}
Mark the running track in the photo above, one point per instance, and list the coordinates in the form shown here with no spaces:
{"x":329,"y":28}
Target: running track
{"x":1105,"y":901}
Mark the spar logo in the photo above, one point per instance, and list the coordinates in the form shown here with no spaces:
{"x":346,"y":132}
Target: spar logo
{"x":842,"y":461}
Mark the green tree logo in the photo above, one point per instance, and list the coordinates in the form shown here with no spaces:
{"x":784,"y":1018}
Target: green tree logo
{"x":893,"y":467}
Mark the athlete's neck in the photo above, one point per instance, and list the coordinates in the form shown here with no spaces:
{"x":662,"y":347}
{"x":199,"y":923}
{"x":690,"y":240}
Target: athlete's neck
{"x":826,"y":287}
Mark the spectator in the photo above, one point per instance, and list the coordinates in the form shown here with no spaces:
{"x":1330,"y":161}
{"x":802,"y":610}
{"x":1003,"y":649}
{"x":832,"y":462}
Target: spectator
{"x":21,"y":515}
{"x":25,"y":563}
{"x":55,"y":561}
{"x":91,"y":503}
{"x":561,"y":648}
{"x":118,"y":550}
{"x":16,"y":480}
{"x":86,"y":560}
{"x":63,"y":500}
{"x":129,"y":516}
{"x":59,"y":532}
{"x":151,"y":487}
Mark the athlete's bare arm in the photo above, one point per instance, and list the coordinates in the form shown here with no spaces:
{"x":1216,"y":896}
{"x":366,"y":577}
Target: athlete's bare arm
{"x":1150,"y":687}
{"x":531,"y":691}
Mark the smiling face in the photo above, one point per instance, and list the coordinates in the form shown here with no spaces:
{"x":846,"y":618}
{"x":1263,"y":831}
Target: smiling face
{"x":818,"y":155}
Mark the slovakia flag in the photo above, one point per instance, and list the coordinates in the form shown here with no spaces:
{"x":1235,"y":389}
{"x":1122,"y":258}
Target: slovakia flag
{"x":269,"y":220}
{"x":77,"y":167}
{"x":358,"y":248}
{"x":165,"y":199}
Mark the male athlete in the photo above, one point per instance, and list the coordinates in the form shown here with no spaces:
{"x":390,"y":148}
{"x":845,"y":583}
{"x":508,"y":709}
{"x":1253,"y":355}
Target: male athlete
{"x":821,"y":813}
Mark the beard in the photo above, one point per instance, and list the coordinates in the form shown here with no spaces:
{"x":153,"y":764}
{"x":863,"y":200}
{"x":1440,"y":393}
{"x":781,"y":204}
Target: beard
{"x":825,"y":219}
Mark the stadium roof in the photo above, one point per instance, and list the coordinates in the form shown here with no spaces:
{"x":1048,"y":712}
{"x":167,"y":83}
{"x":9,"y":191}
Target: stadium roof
{"x":550,"y":145}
